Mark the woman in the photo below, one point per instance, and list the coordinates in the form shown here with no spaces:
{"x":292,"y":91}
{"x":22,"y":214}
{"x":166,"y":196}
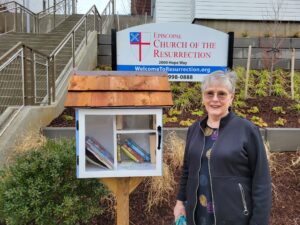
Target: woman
{"x":225,"y":177}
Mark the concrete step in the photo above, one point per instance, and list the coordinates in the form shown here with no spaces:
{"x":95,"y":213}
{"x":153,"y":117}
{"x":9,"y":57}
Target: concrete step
{"x":10,"y":84}
{"x":30,"y":35}
{"x":11,"y":100}
{"x":10,"y":77}
{"x":40,"y":92}
{"x":40,"y":82}
{"x":11,"y":92}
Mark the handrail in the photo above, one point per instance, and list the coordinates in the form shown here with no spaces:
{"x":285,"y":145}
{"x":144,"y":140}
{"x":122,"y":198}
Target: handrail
{"x":19,"y":5}
{"x":50,"y":59}
{"x":37,"y":16}
{"x":69,"y":35}
{"x":108,"y":7}
{"x":16,"y":47}
{"x":47,"y":10}
{"x":10,"y":51}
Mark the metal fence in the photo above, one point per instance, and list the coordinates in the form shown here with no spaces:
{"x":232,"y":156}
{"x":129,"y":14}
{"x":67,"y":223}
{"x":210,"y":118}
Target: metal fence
{"x":17,"y":18}
{"x":24,"y":77}
{"x":50,"y":18}
{"x":41,"y":79}
{"x":64,"y":56}
{"x":12,"y":82}
{"x":108,"y":18}
{"x":30,"y":77}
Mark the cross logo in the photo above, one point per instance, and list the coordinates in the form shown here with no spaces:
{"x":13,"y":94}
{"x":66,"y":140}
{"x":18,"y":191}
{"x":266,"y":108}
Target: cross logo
{"x":136,"y":39}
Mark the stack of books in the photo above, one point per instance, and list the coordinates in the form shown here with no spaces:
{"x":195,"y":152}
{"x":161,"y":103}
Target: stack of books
{"x":133,"y":151}
{"x":97,"y":155}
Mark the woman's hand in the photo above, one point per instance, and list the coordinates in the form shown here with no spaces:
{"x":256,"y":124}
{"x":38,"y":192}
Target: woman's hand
{"x":179,"y":209}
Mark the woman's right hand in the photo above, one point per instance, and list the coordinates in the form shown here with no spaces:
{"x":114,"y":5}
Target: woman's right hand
{"x":179,"y":209}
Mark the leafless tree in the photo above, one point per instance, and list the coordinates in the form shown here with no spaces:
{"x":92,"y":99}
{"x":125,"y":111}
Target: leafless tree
{"x":270,"y":55}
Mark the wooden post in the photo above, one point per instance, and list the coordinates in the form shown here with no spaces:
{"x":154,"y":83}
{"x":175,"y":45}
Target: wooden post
{"x":152,"y":142}
{"x":122,"y":187}
{"x":247,"y":71}
{"x":292,"y":74}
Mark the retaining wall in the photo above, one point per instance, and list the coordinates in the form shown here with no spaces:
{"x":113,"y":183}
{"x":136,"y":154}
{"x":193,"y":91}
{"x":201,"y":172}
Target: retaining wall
{"x":279,"y":139}
{"x":261,"y":54}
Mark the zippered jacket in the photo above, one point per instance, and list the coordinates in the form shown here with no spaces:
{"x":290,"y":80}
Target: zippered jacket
{"x":239,"y":172}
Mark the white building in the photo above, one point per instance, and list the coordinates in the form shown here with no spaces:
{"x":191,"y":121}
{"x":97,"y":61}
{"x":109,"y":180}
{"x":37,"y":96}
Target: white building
{"x":231,"y":15}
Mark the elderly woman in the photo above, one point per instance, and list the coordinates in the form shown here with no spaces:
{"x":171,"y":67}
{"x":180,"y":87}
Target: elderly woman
{"x":225,"y":176}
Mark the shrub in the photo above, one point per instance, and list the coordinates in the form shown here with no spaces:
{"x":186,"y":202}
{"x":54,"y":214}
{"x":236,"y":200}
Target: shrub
{"x":280,"y":122}
{"x":253,"y":110}
{"x":186,"y":95}
{"x":40,"y":187}
{"x":197,"y":112}
{"x":297,"y":107}
{"x":174,"y":112}
{"x":186,"y":123}
{"x":258,"y":121}
{"x":278,"y":110}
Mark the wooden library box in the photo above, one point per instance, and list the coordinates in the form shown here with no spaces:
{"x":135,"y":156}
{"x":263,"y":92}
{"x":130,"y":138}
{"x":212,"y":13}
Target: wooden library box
{"x":118,"y":122}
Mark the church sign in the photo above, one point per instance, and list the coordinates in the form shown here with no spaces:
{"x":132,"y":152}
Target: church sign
{"x":185,"y":51}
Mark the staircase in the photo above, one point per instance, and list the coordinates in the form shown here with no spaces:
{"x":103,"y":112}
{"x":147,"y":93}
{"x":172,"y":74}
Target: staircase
{"x":11,"y":81}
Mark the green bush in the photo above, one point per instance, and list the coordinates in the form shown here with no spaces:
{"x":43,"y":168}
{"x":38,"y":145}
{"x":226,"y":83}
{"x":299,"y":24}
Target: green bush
{"x":40,"y":187}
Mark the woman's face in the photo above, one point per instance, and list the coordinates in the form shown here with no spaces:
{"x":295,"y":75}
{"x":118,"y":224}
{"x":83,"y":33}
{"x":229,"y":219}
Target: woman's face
{"x":217,"y":99}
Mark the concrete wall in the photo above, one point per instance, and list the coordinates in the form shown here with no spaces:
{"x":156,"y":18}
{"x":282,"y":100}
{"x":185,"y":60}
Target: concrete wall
{"x":259,"y":28}
{"x":104,"y":49}
{"x":87,"y":58}
{"x":261,"y":57}
{"x":279,"y":139}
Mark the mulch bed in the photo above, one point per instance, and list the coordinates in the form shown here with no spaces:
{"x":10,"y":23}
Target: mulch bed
{"x":264,"y":104}
{"x":286,"y":198}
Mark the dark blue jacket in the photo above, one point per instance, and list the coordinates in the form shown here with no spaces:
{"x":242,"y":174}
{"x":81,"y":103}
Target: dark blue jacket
{"x":240,"y":179}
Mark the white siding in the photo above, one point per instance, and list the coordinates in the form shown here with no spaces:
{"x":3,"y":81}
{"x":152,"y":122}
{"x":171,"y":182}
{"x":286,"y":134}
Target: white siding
{"x":174,"y":11}
{"x":288,"y":10}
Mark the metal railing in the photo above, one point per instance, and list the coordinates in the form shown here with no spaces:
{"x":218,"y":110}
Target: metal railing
{"x":51,"y":17}
{"x":30,"y":77}
{"x":72,"y":43}
{"x":24,"y":77}
{"x":17,"y":18}
{"x":108,"y":15}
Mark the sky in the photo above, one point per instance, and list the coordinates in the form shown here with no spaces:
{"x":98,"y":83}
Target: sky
{"x":122,"y":6}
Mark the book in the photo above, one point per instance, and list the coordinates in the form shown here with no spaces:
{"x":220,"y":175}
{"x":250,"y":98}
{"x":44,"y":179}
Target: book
{"x":94,"y":147}
{"x":92,"y":159}
{"x":129,"y":154}
{"x":138,"y":149}
{"x":132,"y":152}
{"x":119,"y":158}
{"x":99,"y":156}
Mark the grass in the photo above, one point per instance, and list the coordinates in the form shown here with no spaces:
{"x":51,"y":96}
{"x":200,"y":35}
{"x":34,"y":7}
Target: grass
{"x":28,"y":142}
{"x":160,"y":188}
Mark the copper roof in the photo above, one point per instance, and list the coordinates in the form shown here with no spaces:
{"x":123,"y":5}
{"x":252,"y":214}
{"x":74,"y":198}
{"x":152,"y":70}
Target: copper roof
{"x":118,"y":89}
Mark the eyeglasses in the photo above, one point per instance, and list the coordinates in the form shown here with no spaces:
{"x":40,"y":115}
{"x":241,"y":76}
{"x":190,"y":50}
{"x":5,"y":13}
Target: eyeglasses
{"x":221,"y":95}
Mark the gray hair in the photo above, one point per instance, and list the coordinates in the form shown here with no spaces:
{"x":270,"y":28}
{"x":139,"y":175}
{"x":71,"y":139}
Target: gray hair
{"x":227,"y":79}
